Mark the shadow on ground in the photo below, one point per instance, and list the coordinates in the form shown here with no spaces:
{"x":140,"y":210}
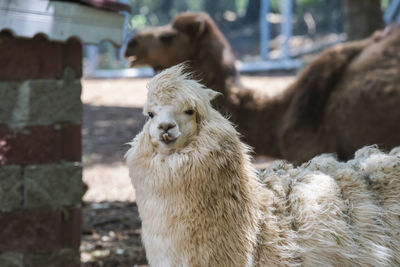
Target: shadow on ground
{"x":106,"y":130}
{"x":111,"y":235}
{"x":111,"y":230}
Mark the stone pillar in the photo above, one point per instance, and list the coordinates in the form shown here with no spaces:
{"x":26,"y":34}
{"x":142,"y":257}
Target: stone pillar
{"x":40,"y":152}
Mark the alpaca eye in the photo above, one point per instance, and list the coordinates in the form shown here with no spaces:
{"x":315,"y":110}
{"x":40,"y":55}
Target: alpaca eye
{"x":189,"y":111}
{"x":151,"y":114}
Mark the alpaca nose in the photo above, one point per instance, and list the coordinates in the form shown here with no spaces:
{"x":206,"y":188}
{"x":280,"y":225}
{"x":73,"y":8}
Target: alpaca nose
{"x":166,"y":126}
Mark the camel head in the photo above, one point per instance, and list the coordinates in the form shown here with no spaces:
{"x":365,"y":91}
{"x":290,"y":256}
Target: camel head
{"x":168,"y":45}
{"x":176,"y":106}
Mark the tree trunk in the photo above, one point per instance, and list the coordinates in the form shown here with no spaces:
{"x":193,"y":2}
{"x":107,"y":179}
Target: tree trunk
{"x":252,"y":11}
{"x":361,"y":18}
{"x":163,"y":9}
{"x":211,"y":7}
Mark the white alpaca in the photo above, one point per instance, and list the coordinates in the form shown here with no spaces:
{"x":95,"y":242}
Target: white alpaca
{"x":203,"y":204}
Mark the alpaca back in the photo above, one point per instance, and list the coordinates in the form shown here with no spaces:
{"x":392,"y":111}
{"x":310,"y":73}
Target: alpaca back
{"x":382,"y":172}
{"x":342,"y":214}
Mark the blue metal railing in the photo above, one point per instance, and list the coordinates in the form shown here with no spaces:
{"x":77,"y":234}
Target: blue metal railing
{"x":392,"y":12}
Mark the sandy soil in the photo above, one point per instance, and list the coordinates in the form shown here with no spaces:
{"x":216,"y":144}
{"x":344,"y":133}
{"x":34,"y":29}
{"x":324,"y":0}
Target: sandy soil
{"x":111,"y":118}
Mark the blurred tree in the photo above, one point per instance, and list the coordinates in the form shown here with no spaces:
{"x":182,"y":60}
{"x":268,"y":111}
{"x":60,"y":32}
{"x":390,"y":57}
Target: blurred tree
{"x":252,"y":11}
{"x":217,"y":8}
{"x":211,"y":7}
{"x":316,"y":17}
{"x":361,"y":18}
{"x":163,"y":10}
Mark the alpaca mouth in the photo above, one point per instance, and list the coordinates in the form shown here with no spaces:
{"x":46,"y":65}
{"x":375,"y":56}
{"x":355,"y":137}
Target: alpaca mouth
{"x":167,"y":139}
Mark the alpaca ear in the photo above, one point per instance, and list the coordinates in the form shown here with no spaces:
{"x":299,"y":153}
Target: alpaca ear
{"x":212,"y":94}
{"x":193,"y":27}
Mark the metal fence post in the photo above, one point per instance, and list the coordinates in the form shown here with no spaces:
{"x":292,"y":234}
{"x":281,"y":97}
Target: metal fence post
{"x":264,"y":29}
{"x":287,"y":10}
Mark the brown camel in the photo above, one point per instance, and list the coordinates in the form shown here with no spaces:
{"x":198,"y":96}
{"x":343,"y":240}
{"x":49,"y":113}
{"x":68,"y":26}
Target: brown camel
{"x":348,"y":97}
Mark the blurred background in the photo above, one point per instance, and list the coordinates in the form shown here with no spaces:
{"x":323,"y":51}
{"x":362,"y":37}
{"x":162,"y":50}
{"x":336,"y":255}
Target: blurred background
{"x":271,"y":39}
{"x":291,"y":33}
{"x":308,"y":26}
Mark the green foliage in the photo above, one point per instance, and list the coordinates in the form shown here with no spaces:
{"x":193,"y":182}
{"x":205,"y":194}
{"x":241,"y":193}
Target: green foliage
{"x":158,"y":12}
{"x":275,"y":6}
{"x":300,"y":4}
{"x":384,"y":4}
{"x":308,"y":2}
{"x":138,"y":21}
{"x":241,"y":6}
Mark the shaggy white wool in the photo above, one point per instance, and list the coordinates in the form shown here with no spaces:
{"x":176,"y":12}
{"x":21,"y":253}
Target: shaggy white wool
{"x":344,"y":203}
{"x":203,"y":204}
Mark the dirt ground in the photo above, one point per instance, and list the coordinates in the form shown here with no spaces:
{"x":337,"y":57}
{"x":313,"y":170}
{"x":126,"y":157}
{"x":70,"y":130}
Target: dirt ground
{"x":112,"y":116}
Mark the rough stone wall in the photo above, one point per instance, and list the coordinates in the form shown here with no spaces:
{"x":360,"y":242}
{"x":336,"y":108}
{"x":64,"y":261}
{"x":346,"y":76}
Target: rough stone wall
{"x":40,"y":152}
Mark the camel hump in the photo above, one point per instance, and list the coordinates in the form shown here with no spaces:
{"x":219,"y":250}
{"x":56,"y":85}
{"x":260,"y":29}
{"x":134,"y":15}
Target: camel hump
{"x":317,"y":81}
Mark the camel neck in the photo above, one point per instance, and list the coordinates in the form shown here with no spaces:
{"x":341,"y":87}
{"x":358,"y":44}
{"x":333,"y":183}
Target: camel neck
{"x":260,"y":120}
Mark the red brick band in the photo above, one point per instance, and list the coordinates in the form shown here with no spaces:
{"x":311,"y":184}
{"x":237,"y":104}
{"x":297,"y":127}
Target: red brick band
{"x":40,"y":230}
{"x":40,"y":144}
{"x":23,"y":58}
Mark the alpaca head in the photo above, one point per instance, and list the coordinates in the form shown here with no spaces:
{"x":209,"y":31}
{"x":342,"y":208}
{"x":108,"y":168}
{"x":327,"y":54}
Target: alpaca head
{"x":166,"y":46}
{"x":176,"y":106}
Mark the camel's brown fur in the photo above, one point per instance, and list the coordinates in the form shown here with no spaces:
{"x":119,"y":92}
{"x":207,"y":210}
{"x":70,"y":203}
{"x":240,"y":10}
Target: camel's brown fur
{"x":346,"y":98}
